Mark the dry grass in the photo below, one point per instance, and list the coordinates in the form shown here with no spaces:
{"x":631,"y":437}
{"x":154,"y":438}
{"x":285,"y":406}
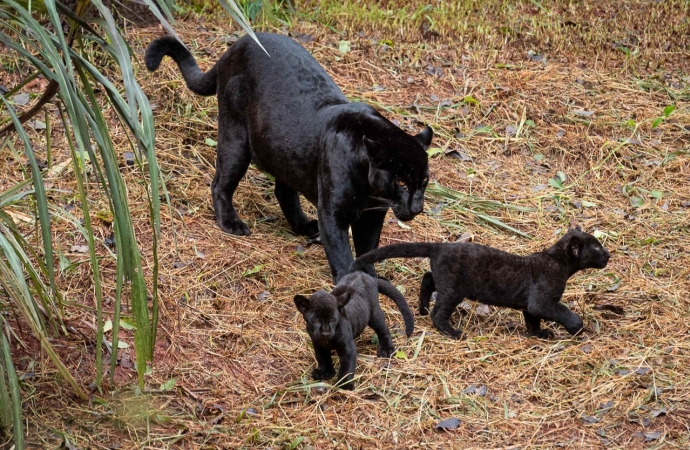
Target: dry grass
{"x":236,"y":346}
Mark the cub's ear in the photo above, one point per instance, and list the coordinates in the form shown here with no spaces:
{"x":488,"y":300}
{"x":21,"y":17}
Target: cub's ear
{"x":342,"y":295}
{"x":425,"y":137}
{"x":574,"y":246}
{"x":302,"y":303}
{"x":339,"y":290}
{"x":343,"y":299}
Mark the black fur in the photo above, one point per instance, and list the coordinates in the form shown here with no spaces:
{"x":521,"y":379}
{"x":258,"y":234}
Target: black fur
{"x":287,"y":115}
{"x":533,"y":283}
{"x":334,"y":321}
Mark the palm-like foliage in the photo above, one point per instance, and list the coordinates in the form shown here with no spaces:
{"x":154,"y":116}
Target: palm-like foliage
{"x":27,"y":269}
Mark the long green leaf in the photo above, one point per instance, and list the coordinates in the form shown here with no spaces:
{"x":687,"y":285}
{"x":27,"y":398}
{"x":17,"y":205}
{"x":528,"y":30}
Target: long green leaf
{"x":5,"y":395}
{"x":14,"y":283}
{"x":5,"y":402}
{"x":41,"y":197}
{"x":156,"y":12}
{"x":119,"y":275}
{"x":236,"y":13}
{"x":17,"y":425}
{"x":154,"y":204}
{"x":95,"y":269}
{"x":20,"y":247}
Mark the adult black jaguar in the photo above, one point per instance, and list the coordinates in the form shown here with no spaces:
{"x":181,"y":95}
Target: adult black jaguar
{"x":287,"y":115}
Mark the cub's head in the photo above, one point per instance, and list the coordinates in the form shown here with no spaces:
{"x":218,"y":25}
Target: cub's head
{"x":584,"y":250}
{"x":399,"y":169}
{"x":321,"y":312}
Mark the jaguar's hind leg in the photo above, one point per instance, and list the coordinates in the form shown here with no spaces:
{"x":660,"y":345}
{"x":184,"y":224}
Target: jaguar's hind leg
{"x":288,"y":199}
{"x":232,"y":160}
{"x":534,"y":327}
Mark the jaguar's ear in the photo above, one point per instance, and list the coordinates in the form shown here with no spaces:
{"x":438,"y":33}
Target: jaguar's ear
{"x":302,"y":303}
{"x":425,"y":137}
{"x":374,"y":151}
{"x":575,"y":228}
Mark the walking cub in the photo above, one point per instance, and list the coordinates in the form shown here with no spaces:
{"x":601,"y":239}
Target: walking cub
{"x":335,"y":319}
{"x":532,"y":283}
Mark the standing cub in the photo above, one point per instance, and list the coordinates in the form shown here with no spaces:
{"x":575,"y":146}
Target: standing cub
{"x":532,"y":283}
{"x":334,"y":321}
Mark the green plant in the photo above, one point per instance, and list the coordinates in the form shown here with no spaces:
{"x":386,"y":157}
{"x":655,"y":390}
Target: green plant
{"x":470,"y":205}
{"x":667,"y":112}
{"x":267,"y":11}
{"x":71,"y":61}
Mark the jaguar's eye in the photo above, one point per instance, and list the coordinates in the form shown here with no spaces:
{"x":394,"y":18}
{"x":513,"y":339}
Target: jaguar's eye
{"x":401,"y":183}
{"x":425,"y":180}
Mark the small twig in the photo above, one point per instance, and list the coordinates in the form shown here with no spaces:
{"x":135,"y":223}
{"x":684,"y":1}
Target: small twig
{"x":48,"y":94}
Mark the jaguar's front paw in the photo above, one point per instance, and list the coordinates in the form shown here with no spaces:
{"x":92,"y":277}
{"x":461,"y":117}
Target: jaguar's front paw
{"x":309,"y":229}
{"x":321,"y":373}
{"x":349,"y":386}
{"x":234,"y":226}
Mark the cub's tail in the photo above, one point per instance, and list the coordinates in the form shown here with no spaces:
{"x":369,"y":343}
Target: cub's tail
{"x":411,"y":250}
{"x":202,"y":83}
{"x":387,"y":289}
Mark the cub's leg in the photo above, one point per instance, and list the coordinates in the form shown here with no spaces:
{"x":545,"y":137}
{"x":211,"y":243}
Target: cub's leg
{"x":348,"y":363}
{"x":448,"y":297}
{"x":232,"y":160}
{"x":534,"y":326}
{"x":425,"y":290}
{"x":288,"y":199}
{"x":556,"y":311}
{"x":366,"y":232}
{"x":324,"y":364}
{"x":378,"y":323}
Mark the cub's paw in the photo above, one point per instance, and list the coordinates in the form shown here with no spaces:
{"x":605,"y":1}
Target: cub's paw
{"x":234,"y":226}
{"x":576,"y":328}
{"x":322,"y":374}
{"x":576,"y":332}
{"x":452,"y":333}
{"x":309,"y":229}
{"x":385,"y":352}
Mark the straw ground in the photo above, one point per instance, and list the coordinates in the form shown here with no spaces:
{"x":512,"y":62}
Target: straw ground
{"x":550,"y":110}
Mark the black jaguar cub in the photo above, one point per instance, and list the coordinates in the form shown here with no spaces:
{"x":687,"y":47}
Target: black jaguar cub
{"x":288,"y":116}
{"x":334,"y":321}
{"x":533,"y":283}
